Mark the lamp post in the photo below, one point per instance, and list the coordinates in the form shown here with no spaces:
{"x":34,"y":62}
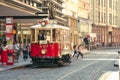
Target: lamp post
{"x":119,"y":62}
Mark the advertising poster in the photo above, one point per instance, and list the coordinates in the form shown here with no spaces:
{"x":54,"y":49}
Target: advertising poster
{"x":9,"y":29}
{"x":9,"y":39}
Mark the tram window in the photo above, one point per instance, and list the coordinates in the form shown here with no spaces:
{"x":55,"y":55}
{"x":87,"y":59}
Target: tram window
{"x":44,"y":35}
{"x":48,"y":36}
{"x":33,"y":35}
{"x":41,"y":35}
{"x":54,"y":35}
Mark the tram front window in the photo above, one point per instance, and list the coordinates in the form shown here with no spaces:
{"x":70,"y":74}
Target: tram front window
{"x":41,"y":35}
{"x":44,"y":35}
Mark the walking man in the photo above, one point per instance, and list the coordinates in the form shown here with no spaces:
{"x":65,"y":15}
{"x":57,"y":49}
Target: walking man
{"x":17,"y":50}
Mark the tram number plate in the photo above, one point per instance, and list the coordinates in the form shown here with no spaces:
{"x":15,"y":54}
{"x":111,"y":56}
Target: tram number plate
{"x":43,"y":56}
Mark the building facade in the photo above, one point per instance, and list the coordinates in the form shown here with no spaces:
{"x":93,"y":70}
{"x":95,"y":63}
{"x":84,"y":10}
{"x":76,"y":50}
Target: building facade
{"x":104,"y":24}
{"x":71,"y":10}
{"x":19,"y":8}
{"x":78,"y":19}
{"x":118,"y":13}
{"x":54,"y":10}
{"x":84,"y":23}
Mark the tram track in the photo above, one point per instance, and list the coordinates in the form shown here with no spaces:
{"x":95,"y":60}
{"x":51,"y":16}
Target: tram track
{"x":68,"y":73}
{"x":96,"y":75}
{"x":74,"y":71}
{"x":41,"y":71}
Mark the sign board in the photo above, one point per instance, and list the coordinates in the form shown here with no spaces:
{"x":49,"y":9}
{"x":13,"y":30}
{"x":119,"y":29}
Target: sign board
{"x":9,"y":20}
{"x":9,"y":39}
{"x":9,"y":29}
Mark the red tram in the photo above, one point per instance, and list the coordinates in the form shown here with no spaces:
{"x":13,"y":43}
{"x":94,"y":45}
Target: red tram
{"x":50,"y":43}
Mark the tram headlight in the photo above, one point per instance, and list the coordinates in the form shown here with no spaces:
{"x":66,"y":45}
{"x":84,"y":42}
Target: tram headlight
{"x":43,"y":51}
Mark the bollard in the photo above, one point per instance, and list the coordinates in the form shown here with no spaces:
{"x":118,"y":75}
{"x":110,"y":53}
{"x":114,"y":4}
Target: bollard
{"x":10,"y":57}
{"x":4,"y":57}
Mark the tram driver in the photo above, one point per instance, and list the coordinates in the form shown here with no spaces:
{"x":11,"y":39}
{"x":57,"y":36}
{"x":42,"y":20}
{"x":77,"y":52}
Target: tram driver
{"x":41,"y":35}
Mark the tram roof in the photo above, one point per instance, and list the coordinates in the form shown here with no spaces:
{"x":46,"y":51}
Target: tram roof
{"x":50,"y":26}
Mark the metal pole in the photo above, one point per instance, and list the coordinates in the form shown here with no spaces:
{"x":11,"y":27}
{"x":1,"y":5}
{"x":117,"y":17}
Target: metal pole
{"x":119,"y":63}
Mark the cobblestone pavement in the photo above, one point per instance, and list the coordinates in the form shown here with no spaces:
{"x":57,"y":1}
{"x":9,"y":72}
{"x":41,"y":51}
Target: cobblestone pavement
{"x":16,"y":64}
{"x":91,"y":67}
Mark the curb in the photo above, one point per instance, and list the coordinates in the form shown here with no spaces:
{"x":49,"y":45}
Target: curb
{"x":14,"y":67}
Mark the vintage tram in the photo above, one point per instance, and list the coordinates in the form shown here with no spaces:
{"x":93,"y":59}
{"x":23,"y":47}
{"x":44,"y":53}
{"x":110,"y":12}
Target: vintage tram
{"x":50,"y":43}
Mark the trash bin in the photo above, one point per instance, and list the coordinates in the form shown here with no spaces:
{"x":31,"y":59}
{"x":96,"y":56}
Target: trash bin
{"x":10,"y":57}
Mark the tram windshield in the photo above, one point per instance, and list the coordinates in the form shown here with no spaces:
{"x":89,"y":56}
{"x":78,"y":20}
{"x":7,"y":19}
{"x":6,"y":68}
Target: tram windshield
{"x":49,"y":35}
{"x":44,"y":35}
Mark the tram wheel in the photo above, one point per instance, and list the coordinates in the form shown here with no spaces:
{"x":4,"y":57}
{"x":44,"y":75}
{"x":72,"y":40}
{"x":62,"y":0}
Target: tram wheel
{"x":60,"y":63}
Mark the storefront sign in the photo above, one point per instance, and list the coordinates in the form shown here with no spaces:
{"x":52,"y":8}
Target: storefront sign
{"x":9,"y":20}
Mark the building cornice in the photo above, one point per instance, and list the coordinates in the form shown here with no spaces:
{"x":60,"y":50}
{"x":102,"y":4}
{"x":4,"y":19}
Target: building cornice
{"x":22,"y":5}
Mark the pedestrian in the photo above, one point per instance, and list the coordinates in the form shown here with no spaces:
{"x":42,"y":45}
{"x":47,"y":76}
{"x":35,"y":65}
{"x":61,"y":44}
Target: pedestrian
{"x":80,"y":51}
{"x":4,"y":57}
{"x":25,"y":52}
{"x":17,"y":50}
{"x":74,"y":50}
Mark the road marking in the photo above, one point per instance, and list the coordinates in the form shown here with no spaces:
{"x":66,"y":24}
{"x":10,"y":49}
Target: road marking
{"x":110,"y":76}
{"x":70,"y":73}
{"x":102,"y":59}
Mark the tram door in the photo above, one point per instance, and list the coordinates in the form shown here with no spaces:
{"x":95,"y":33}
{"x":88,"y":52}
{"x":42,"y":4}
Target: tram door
{"x":26,"y":39}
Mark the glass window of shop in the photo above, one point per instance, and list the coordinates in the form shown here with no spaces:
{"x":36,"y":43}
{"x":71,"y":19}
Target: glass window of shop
{"x":2,"y":31}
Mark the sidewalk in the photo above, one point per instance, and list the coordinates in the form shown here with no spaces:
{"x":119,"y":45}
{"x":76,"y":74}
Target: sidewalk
{"x":110,"y":76}
{"x":20,"y":63}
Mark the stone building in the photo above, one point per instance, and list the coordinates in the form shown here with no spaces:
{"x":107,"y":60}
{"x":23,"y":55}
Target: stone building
{"x":103,"y":17}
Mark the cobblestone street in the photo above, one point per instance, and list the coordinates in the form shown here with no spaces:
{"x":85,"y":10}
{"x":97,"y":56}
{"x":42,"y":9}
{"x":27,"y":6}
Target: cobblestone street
{"x":91,"y":67}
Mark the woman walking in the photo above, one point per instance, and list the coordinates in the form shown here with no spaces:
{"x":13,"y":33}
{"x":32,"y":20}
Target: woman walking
{"x":75,"y":50}
{"x":80,"y":51}
{"x":17,"y":50}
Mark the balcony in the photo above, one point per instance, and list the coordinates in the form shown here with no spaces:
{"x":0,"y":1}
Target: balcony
{"x":57,"y":4}
{"x":37,"y":1}
{"x":22,"y":5}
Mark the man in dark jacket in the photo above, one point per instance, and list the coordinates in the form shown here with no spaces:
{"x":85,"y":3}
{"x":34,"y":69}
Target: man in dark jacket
{"x":41,"y":36}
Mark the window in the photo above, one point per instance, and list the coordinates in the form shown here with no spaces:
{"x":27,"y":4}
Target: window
{"x":32,"y":34}
{"x":110,"y":19}
{"x":110,"y":3}
{"x":99,"y":17}
{"x":99,"y":2}
{"x":104,"y":17}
